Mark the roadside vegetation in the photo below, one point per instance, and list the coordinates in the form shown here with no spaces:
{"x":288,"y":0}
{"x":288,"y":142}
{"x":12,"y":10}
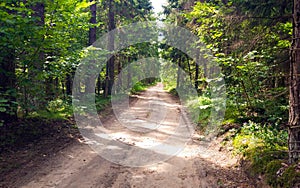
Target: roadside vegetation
{"x":44,"y":42}
{"x":251,"y":43}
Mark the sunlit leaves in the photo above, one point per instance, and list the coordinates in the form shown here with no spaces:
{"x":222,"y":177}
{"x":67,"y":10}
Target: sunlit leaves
{"x":250,"y":42}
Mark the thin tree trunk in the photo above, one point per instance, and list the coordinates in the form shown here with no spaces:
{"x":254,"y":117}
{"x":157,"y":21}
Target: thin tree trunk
{"x":178,"y":73}
{"x":63,"y":88}
{"x":110,"y":46}
{"x":99,"y":86}
{"x":38,"y":92}
{"x":120,"y":75}
{"x":93,"y":20}
{"x":197,"y":70}
{"x":89,"y":87}
{"x":189,"y":67}
{"x":50,"y":88}
{"x":129,"y":76}
{"x":69,"y":84}
{"x":294,"y":112}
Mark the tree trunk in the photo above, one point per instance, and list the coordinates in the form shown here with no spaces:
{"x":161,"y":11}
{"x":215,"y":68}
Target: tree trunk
{"x":50,"y":88}
{"x":197,"y":70}
{"x":110,"y":47}
{"x":89,"y":87}
{"x":93,"y":20}
{"x":179,"y":73}
{"x":120,"y":74}
{"x":189,"y":67}
{"x":99,"y":85}
{"x":38,"y":92}
{"x":69,"y":84}
{"x":294,"y":112}
{"x":129,"y":75}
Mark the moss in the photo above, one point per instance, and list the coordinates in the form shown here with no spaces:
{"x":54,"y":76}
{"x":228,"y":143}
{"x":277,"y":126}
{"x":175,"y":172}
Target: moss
{"x":271,"y":172}
{"x":264,"y":149}
{"x":290,"y":177}
{"x":261,"y":157}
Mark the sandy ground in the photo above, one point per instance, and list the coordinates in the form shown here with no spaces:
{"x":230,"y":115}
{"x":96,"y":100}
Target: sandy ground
{"x":77,"y":165}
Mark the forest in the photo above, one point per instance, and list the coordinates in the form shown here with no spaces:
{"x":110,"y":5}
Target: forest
{"x":233,"y":64}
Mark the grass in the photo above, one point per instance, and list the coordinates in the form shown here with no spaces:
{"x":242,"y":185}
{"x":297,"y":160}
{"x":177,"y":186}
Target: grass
{"x":141,"y":86}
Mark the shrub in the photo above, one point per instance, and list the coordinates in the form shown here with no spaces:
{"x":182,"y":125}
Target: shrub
{"x":264,"y":147}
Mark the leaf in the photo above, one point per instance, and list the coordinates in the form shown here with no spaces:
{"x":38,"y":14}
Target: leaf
{"x":204,"y":107}
{"x":241,"y":67}
{"x":84,"y":5}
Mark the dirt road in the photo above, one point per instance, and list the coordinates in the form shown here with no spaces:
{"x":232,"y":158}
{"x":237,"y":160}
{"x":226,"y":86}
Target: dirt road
{"x":77,"y":165}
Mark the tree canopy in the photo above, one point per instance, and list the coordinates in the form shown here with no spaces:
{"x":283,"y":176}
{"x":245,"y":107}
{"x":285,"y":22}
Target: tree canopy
{"x":255,"y":43}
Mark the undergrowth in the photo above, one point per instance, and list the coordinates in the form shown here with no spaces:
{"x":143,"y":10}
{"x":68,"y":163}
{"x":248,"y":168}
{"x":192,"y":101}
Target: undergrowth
{"x":141,"y":86}
{"x":55,"y":110}
{"x":264,"y":152}
{"x":257,"y":134}
{"x":199,"y":107}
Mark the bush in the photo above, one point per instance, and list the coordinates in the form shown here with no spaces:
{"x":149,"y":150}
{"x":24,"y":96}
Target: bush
{"x":264,"y":147}
{"x":139,"y":86}
{"x":266,"y":135}
{"x":142,"y":85}
{"x":56,"y":109}
{"x":102,"y":103}
{"x":200,"y":110}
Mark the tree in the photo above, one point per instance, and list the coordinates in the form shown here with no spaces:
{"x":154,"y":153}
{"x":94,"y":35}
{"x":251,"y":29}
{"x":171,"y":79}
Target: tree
{"x":8,"y":35}
{"x":37,"y":93}
{"x":92,"y":39}
{"x":294,"y":87}
{"x":110,"y":65}
{"x":93,"y":29}
{"x":121,"y":12}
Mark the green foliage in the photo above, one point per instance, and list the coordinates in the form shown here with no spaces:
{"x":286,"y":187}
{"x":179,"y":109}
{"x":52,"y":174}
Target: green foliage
{"x":8,"y":105}
{"x":170,"y":87}
{"x":46,"y":49}
{"x":253,"y":59}
{"x":254,"y":135}
{"x":3,"y":105}
{"x":231,"y":113}
{"x":3,"y":108}
{"x":271,"y":172}
{"x":279,"y":175}
{"x":290,"y":177}
{"x":261,"y":157}
{"x":264,"y":146}
{"x":57,"y":109}
{"x":139,"y":86}
{"x":200,"y":108}
{"x":143,"y":85}
{"x":172,"y":91}
{"x":102,"y":103}
{"x":62,"y":109}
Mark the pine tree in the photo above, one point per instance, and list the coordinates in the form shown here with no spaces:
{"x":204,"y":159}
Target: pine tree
{"x":294,"y":115}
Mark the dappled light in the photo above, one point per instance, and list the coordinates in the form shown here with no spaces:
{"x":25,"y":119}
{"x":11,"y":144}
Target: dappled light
{"x":150,"y":93}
